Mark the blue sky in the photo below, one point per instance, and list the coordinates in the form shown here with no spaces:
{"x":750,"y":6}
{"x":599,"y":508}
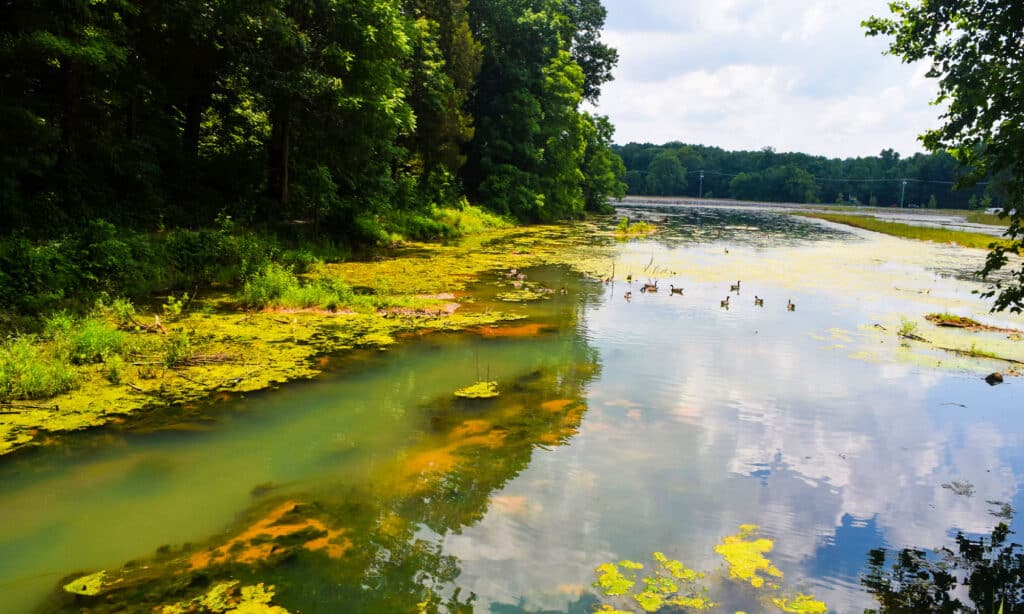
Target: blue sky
{"x":796,"y":75}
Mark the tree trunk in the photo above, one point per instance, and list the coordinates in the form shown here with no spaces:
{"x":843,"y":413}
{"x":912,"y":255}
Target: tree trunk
{"x":277,"y":178}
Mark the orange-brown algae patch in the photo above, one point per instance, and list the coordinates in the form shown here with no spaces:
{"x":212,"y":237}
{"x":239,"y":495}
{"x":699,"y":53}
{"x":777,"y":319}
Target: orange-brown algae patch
{"x":558,"y":405}
{"x":470,"y":427}
{"x":257,"y":542}
{"x":431,"y":461}
{"x":523,"y":330}
{"x":445,"y":458}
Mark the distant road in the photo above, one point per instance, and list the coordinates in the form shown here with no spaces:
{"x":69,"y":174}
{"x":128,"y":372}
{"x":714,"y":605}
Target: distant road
{"x":934,"y":218}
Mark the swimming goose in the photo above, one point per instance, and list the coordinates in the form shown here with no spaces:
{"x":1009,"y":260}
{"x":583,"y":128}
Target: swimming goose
{"x":648,"y":287}
{"x":790,"y":305}
{"x":629,"y":296}
{"x":725,"y":303}
{"x":758,"y":301}
{"x":735,"y":287}
{"x":674,"y":290}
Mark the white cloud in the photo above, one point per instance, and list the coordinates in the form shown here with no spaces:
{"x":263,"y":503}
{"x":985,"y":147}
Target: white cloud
{"x":745,"y":74}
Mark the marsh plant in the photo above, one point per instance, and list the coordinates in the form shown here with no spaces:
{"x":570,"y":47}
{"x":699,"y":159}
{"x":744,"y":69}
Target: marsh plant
{"x":28,"y":371}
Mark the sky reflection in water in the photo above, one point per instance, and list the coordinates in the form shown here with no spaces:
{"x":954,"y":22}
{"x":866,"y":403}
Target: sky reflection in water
{"x":704,"y":419}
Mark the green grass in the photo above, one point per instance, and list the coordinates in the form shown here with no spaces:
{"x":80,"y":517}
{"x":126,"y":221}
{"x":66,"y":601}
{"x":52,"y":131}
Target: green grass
{"x":907,"y":231}
{"x":28,"y":372}
{"x":277,"y":287}
{"x":84,"y":340}
{"x":907,"y":328}
{"x":978,"y":352}
{"x":980,"y":217}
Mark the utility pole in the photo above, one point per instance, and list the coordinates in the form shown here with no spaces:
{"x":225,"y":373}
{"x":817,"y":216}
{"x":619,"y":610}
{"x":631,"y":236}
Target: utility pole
{"x":903,"y":191}
{"x":701,"y":185}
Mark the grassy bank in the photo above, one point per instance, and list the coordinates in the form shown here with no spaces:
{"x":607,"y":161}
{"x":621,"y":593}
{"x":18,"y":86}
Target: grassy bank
{"x":83,"y":369}
{"x":907,"y":231}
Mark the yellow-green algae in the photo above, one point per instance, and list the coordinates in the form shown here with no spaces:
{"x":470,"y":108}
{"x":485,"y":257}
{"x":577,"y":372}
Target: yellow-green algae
{"x":670,"y":584}
{"x":479,"y":390}
{"x":801,"y":604}
{"x":744,"y":553}
{"x":673,"y":584}
{"x":226,"y":598}
{"x":263,"y":349}
{"x":89,"y":585}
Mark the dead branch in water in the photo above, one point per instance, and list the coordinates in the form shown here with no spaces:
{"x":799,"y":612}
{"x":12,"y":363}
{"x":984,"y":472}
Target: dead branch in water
{"x":17,"y":408}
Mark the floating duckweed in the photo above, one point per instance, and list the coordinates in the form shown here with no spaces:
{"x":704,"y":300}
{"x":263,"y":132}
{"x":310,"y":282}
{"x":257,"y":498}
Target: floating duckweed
{"x":744,"y":554}
{"x":611,"y":581}
{"x":89,"y":585}
{"x":801,"y":604}
{"x":693,"y":603}
{"x":479,"y":390}
{"x":521,"y":295}
{"x":659,"y":589}
{"x":677,"y":569}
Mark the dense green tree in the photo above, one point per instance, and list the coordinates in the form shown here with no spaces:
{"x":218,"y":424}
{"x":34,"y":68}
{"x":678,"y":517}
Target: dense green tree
{"x":861,"y":178}
{"x":531,"y":138}
{"x":976,"y":50}
{"x":666,"y":175}
{"x":349,"y":114}
{"x":603,"y":170}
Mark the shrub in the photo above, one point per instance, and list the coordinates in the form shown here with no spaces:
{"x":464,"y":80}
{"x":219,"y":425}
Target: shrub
{"x":27,"y":373}
{"x":178,"y":348}
{"x":113,"y":369}
{"x":276,"y":286}
{"x":269,"y":284}
{"x":84,"y":340}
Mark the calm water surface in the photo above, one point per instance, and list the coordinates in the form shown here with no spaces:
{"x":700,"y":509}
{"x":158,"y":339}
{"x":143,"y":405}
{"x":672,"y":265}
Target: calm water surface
{"x":662,"y":423}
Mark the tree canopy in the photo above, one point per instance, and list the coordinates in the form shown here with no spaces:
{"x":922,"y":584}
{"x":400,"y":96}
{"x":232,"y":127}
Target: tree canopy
{"x":342,"y":113}
{"x":767,"y":175}
{"x":975,"y":49}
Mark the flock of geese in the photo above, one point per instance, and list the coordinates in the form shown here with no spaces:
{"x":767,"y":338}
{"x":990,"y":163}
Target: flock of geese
{"x":653,"y":287}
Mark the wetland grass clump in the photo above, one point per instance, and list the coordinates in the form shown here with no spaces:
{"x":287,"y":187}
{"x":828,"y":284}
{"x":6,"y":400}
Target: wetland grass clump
{"x":29,"y":372}
{"x":627,"y":229}
{"x":84,"y":340}
{"x":276,"y":285}
{"x":908,"y":231}
{"x":980,"y":217}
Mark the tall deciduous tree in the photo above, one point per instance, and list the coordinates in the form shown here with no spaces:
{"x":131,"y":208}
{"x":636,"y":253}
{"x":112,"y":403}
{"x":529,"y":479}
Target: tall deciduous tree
{"x":976,"y":50}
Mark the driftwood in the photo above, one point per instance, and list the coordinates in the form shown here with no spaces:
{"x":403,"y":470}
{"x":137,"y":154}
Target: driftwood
{"x":204,"y":359}
{"x":155,"y":327}
{"x":17,"y":408}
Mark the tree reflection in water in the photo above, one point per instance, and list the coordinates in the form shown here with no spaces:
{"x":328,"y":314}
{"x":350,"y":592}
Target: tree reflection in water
{"x":984,"y":575}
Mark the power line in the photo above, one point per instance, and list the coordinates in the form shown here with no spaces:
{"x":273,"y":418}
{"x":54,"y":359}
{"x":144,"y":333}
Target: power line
{"x":847,"y":179}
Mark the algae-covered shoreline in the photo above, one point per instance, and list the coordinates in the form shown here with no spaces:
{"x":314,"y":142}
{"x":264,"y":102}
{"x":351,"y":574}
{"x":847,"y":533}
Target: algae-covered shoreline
{"x":232,"y":351}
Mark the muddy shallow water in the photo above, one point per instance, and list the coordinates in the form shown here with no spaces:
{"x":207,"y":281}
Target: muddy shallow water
{"x":661,"y":423}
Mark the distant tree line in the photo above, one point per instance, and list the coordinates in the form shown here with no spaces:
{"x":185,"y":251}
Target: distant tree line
{"x":341,"y":114}
{"x":674,"y":169}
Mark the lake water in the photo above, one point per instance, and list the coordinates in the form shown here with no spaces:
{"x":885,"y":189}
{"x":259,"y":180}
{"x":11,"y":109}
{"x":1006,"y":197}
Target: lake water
{"x":661,"y":423}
